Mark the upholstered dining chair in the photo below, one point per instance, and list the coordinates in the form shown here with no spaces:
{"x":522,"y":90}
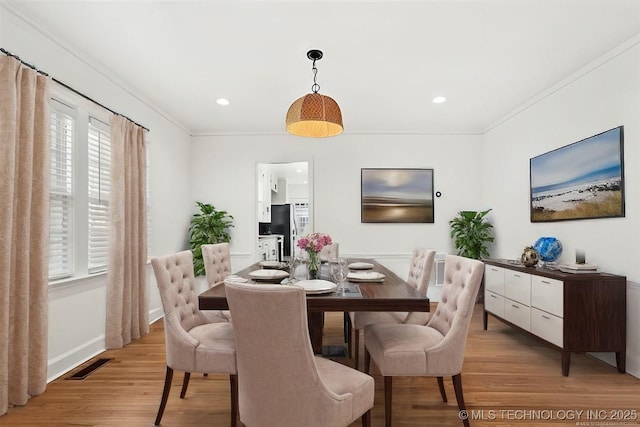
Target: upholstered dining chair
{"x":437,"y":349}
{"x":419,"y":275}
{"x":192,"y":342}
{"x":217,"y":266}
{"x":329,"y":251}
{"x":281,"y":382}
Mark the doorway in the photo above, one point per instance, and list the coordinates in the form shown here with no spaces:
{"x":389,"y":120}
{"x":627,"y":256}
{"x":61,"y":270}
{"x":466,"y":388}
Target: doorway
{"x":283,"y":208}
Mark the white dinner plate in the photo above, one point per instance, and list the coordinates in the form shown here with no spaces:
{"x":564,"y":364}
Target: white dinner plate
{"x":365,"y":276}
{"x":316,"y":286}
{"x":235,"y":279}
{"x":268,"y":274}
{"x":272,"y":264}
{"x":360,"y":266}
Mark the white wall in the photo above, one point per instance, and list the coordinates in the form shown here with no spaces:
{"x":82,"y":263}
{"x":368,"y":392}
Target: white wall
{"x":471,"y":171}
{"x":334,"y":177}
{"x":604,"y":95}
{"x":77,"y":308}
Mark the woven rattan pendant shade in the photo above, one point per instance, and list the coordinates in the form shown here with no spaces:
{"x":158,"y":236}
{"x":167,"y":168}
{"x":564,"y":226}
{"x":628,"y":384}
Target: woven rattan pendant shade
{"x":314,"y":116}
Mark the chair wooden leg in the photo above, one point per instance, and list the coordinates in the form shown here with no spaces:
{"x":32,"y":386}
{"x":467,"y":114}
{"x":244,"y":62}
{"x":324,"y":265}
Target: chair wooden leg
{"x":366,"y":419}
{"x":233,"y":383}
{"x":185,"y":384}
{"x":348,"y":333}
{"x":367,"y":361}
{"x":457,"y":386}
{"x":443,"y":393}
{"x":165,"y":394}
{"x":387,"y":400}
{"x":356,"y":348}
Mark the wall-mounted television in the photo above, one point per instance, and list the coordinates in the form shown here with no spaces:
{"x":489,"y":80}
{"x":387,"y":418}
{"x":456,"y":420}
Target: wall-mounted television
{"x":582,"y":180}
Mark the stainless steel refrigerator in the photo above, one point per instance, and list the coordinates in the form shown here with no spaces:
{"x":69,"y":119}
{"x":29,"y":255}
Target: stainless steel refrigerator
{"x":283,"y":222}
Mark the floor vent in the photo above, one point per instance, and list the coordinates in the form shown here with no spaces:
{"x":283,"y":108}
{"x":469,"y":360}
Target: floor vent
{"x":334,"y":351}
{"x":88,"y":370}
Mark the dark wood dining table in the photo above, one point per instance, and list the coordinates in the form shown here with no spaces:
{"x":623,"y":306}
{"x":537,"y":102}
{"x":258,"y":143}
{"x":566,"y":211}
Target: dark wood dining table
{"x":393,"y":294}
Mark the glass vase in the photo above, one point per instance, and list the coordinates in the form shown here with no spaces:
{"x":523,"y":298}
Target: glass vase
{"x":313,"y":266}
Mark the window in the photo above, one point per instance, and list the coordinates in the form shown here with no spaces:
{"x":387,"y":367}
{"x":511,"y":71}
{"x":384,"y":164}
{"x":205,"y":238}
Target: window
{"x":99,"y":183}
{"x":61,"y":190}
{"x":79,"y":191}
{"x":80,"y":188}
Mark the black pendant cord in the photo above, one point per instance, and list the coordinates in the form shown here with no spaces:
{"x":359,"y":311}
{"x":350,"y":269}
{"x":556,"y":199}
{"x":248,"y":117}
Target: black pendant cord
{"x":66,"y":86}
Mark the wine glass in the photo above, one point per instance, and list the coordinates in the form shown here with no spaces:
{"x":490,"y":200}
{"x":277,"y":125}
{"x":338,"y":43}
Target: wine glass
{"x":339,"y":272}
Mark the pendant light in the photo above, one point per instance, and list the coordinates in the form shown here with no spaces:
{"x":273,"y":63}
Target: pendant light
{"x":314,"y":115}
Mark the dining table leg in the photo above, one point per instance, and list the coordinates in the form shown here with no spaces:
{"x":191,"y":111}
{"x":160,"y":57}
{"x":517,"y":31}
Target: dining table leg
{"x":315,"y":320}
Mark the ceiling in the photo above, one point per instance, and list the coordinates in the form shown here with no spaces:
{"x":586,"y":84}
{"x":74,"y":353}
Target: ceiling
{"x":384,"y":61}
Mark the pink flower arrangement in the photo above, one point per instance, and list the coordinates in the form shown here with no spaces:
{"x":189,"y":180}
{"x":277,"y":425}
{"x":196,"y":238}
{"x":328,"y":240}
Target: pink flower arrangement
{"x":314,"y":242}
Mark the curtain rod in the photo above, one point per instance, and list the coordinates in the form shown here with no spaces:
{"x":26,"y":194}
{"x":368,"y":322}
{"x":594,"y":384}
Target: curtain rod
{"x":70,"y":88}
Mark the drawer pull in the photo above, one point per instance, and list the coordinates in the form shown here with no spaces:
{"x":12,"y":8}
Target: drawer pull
{"x":493,"y":296}
{"x":546,"y":317}
{"x":514,"y":306}
{"x":516,"y":275}
{"x":544,"y":281}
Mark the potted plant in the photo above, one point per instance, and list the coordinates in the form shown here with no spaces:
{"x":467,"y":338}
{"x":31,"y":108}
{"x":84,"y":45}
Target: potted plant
{"x":471,"y":231}
{"x":208,"y":226}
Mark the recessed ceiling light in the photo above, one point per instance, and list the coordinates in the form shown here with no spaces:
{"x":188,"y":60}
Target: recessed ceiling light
{"x":299,"y":170}
{"x":439,"y":99}
{"x":222,"y":101}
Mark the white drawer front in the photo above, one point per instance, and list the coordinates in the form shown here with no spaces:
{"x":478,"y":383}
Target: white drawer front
{"x":494,"y":279}
{"x":546,"y":326}
{"x":517,"y":286}
{"x":518,"y":314}
{"x":547,"y":295}
{"x":494,"y":303}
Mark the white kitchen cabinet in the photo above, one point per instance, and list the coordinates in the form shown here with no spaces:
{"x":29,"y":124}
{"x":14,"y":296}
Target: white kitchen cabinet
{"x":268,"y":248}
{"x":262,"y":254}
{"x":264,"y":194}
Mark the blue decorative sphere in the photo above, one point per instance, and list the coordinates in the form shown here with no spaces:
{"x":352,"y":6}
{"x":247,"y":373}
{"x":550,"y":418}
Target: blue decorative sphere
{"x":548,"y":248}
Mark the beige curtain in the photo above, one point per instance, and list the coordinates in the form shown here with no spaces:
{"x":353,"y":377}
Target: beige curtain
{"x":24,"y":232}
{"x":127,"y":305}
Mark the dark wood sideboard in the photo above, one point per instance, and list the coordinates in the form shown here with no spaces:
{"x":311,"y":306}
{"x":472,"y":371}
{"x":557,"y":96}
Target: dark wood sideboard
{"x":576,"y":312}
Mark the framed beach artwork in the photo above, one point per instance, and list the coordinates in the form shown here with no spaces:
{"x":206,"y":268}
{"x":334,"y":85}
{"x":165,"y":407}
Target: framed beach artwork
{"x":580,"y":181}
{"x":397,"y":195}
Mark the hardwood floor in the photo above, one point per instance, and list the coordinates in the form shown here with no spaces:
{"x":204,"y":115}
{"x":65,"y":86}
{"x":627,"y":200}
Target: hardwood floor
{"x":507,"y":374}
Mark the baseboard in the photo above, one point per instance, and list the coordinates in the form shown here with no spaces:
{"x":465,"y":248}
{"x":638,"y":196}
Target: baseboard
{"x":155,"y":315}
{"x":73,"y":358}
{"x":633,"y":365}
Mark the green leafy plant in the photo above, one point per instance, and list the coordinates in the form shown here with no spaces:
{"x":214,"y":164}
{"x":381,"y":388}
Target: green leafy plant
{"x":471,"y":231}
{"x":208,"y":226}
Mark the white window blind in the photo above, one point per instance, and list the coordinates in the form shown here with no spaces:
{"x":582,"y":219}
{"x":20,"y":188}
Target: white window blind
{"x":61,"y":191}
{"x":99,"y":184}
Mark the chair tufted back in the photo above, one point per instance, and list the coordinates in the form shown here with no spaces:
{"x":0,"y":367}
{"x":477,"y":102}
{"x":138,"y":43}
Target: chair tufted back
{"x":329,"y":251}
{"x":281,"y":359}
{"x":420,"y":269}
{"x":217,"y":262}
{"x":462,"y":278}
{"x":175,"y":279}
